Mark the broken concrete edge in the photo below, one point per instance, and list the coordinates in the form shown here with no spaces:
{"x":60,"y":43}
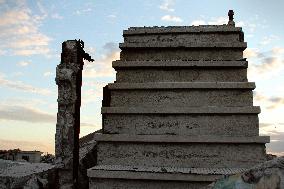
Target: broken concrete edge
{"x":183,"y":85}
{"x":165,"y":169}
{"x":269,"y":174}
{"x":99,"y":137}
{"x":179,"y":64}
{"x":239,"y":45}
{"x":151,"y":175}
{"x":22,"y":169}
{"x":182,"y":29}
{"x":181,"y":110}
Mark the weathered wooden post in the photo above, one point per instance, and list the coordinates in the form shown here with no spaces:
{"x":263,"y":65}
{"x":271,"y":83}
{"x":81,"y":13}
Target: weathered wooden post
{"x":69,"y":81}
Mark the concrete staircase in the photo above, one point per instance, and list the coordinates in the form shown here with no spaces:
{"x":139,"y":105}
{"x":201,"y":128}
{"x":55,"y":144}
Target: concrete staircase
{"x":180,"y":114}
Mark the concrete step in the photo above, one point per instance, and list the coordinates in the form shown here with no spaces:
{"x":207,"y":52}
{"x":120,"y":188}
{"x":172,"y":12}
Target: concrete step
{"x":180,"y":71}
{"x":118,"y":64}
{"x":100,"y":137}
{"x":182,"y":53}
{"x":185,"y":37}
{"x":180,"y":151}
{"x":201,"y":30}
{"x":226,"y":121}
{"x":188,"y":45}
{"x":117,"y":176}
{"x":181,"y":97}
{"x":181,"y":110}
{"x":182,"y":124}
{"x":181,"y":94}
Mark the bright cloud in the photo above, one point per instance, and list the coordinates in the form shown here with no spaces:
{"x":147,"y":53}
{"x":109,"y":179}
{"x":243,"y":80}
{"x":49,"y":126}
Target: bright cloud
{"x":21,"y":86}
{"x":198,"y":22}
{"x":269,"y":102}
{"x":251,"y":53}
{"x":264,"y":64}
{"x":268,"y":39}
{"x":103,"y":66}
{"x":167,"y":5}
{"x":24,"y":63}
{"x":27,"y":114}
{"x":20,"y":30}
{"x":278,"y":50}
{"x":46,"y":74}
{"x":171,"y":18}
{"x":215,"y":21}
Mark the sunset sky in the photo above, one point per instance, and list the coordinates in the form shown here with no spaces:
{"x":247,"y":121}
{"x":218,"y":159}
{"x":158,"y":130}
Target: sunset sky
{"x":31,"y":33}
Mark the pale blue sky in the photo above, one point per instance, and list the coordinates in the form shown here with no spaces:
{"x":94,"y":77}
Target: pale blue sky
{"x":32,"y":32}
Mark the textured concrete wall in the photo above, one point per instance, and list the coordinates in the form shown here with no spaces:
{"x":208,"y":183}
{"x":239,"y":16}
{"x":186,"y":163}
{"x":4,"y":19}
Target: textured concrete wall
{"x":181,"y":75}
{"x":182,"y":97}
{"x":181,"y":54}
{"x":183,"y":38}
{"x":230,"y":125}
{"x":180,"y":155}
{"x":141,"y":184}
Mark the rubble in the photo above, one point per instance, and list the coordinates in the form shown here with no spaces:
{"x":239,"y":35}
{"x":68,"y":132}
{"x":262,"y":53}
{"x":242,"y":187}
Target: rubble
{"x":268,"y":175}
{"x":26,"y":175}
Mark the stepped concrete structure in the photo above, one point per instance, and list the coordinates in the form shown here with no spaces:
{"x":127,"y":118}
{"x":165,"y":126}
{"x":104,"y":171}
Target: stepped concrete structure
{"x":180,"y":113}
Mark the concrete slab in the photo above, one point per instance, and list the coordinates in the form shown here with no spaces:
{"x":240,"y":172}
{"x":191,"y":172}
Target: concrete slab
{"x":157,"y":54}
{"x":151,"y":175}
{"x":178,"y":44}
{"x":180,"y":139}
{"x":101,"y":183}
{"x":182,"y":124}
{"x":183,"y":85}
{"x":181,"y":110}
{"x":184,"y":170}
{"x":183,"y":37}
{"x":181,"y":97}
{"x":181,"y":29}
{"x":178,"y":74}
{"x":178,"y":63}
{"x":204,"y":155}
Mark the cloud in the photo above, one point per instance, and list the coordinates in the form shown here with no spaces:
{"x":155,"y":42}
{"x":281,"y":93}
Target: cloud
{"x":102,"y":67}
{"x":26,"y":145}
{"x":46,"y":74}
{"x":83,"y":11}
{"x":56,"y":16}
{"x":264,"y":65}
{"x":24,"y":63}
{"x":111,"y":16}
{"x":16,"y":74}
{"x":20,"y":30}
{"x":269,"y":102}
{"x":251,"y":53}
{"x":218,"y":21}
{"x":2,"y":52}
{"x":171,"y":18}
{"x":268,"y":39}
{"x":215,"y":21}
{"x":268,"y":67}
{"x":198,"y":22}
{"x":276,"y":133}
{"x":167,"y":5}
{"x":20,"y":86}
{"x":278,"y":50}
{"x":27,"y":114}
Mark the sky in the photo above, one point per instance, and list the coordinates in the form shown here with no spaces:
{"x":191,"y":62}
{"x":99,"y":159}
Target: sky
{"x":31,"y":33}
